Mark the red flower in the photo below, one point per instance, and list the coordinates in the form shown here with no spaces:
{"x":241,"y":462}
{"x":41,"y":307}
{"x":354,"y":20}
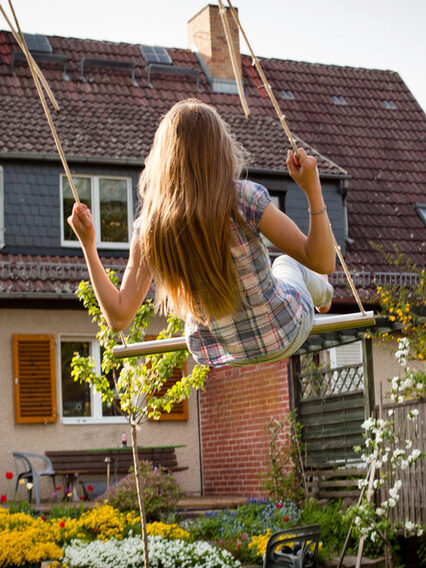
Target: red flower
{"x":43,"y":518}
{"x":62,"y":524}
{"x":3,"y":498}
{"x":279,"y":505}
{"x":89,"y":488}
{"x":9,"y":475}
{"x":244,"y":536}
{"x":58,"y":488}
{"x":95,"y":530}
{"x":82,"y":497}
{"x":286,"y":519}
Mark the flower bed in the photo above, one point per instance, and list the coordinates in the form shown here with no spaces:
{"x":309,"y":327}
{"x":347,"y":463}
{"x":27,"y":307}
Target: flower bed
{"x":127,"y":553}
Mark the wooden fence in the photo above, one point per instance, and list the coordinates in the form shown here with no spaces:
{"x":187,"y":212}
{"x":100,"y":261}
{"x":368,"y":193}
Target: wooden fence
{"x":412,"y":502}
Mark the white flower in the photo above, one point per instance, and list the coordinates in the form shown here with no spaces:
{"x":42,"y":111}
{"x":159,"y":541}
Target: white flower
{"x":391,"y":502}
{"x":29,"y":486}
{"x":408,"y":444}
{"x":373,"y":536}
{"x":398,"y":484}
{"x":380,"y":512}
{"x":393,"y":492}
{"x":367,"y":424}
{"x":398,"y":453}
{"x":419,"y":532}
{"x":390,"y":411}
{"x":413,"y":414}
{"x":400,"y":399}
{"x":409,"y":525}
{"x":414,"y":455}
{"x":404,"y":464}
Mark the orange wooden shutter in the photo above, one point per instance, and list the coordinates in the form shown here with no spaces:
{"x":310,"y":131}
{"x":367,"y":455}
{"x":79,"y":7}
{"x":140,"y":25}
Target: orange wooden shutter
{"x":34,"y":378}
{"x":180,"y":409}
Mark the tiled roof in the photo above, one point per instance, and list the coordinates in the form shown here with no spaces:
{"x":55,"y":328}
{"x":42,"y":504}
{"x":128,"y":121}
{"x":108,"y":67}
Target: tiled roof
{"x":22,"y":275}
{"x":383,"y":150}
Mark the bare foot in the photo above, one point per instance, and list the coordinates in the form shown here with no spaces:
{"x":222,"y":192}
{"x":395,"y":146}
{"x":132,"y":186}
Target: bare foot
{"x":324,"y":309}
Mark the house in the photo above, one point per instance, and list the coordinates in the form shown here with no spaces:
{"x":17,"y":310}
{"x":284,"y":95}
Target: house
{"x":363,"y":125}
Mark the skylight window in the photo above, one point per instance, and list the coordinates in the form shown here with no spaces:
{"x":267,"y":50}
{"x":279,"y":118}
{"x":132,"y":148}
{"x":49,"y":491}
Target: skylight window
{"x":38,"y":42}
{"x":339,"y":100}
{"x":287,"y":95}
{"x":421,"y":211}
{"x":155,"y":54}
{"x":389,"y":104}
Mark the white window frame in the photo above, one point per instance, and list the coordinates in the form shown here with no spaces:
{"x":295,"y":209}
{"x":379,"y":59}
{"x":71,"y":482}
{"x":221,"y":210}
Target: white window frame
{"x":2,"y":230}
{"x":95,"y":397}
{"x":96,"y":213}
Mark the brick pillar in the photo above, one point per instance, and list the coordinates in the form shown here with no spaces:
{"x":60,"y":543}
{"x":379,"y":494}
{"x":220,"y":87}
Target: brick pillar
{"x":236,"y":405}
{"x":207,"y":36}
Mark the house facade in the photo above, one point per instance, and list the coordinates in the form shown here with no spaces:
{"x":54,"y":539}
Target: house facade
{"x":365,"y":129}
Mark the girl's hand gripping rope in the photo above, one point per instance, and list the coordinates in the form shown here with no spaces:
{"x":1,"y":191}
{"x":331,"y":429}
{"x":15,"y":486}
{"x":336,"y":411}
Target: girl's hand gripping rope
{"x":81,"y":222}
{"x":304,"y":171}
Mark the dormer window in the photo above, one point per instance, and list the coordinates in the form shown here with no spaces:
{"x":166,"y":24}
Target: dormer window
{"x":421,"y":211}
{"x":339,"y":100}
{"x":389,"y":104}
{"x":287,"y":95}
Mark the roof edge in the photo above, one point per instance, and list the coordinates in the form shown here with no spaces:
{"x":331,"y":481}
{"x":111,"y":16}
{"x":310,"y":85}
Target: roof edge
{"x":72,"y":159}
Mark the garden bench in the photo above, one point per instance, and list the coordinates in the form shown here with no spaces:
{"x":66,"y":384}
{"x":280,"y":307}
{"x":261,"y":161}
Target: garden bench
{"x":72,"y":463}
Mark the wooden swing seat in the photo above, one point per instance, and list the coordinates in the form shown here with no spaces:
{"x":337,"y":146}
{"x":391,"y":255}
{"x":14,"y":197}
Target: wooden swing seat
{"x":322,"y":323}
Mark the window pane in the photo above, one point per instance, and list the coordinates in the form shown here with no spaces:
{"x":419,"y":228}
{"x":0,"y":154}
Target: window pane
{"x":113,"y":207}
{"x":112,"y":408}
{"x":75,"y":396}
{"x":82,"y":185}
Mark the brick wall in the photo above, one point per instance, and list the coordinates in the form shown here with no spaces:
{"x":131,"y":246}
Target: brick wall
{"x":206,"y":33}
{"x":235,"y":407}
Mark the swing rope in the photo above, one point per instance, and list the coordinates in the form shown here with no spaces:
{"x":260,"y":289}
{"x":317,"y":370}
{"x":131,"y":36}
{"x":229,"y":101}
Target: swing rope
{"x":281,"y":116}
{"x":31,"y":63}
{"x":36,"y":67}
{"x":38,"y":78}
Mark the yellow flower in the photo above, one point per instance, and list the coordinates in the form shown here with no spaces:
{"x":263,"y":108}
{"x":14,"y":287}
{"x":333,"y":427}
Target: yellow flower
{"x":167,"y":530}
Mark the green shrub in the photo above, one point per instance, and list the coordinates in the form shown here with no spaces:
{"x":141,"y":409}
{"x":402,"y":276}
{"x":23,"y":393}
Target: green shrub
{"x":334,"y":525}
{"x":160,"y":491}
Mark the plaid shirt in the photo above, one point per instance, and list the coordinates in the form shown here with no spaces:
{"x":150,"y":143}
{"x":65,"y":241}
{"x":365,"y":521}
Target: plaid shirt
{"x":272,"y":310}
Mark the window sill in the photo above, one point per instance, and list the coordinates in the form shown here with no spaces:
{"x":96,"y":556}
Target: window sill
{"x":87,"y":420}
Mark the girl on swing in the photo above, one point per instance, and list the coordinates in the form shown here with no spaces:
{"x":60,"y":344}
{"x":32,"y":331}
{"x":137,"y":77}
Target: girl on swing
{"x":199,"y":236}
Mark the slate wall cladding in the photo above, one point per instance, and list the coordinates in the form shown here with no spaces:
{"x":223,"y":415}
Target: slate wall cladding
{"x":33,"y":214}
{"x":296,"y":207}
{"x":296,"y":204}
{"x":32,"y":208}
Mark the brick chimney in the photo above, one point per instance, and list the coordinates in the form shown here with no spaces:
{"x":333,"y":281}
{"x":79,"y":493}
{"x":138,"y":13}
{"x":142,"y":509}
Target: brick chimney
{"x":207,"y":39}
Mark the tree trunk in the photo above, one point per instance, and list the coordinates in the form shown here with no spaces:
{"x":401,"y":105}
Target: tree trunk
{"x":138,"y":482}
{"x":388,"y":554}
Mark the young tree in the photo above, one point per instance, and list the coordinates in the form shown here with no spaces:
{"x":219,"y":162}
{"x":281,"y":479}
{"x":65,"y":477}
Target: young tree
{"x":135,"y":384}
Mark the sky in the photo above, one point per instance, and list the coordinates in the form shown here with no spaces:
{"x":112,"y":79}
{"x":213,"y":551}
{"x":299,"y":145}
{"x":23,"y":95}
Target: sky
{"x":375,"y":34}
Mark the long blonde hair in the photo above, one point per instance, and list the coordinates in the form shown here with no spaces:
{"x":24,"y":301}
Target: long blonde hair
{"x":189,"y":196}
